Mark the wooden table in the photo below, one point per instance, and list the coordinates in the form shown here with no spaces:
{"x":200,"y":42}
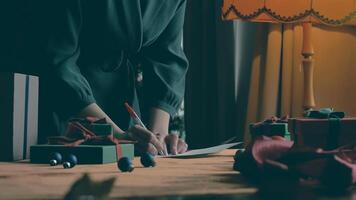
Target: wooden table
{"x":172,"y":177}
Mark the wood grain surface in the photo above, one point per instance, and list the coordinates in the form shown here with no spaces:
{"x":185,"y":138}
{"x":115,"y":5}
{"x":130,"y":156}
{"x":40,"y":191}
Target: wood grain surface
{"x":207,"y":175}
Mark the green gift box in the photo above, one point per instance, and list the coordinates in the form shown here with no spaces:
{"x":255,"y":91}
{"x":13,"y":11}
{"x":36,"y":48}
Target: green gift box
{"x":86,"y":154}
{"x":269,"y":129}
{"x":100,"y":129}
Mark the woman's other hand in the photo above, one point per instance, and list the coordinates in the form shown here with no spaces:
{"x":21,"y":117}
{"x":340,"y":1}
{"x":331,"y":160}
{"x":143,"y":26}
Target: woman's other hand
{"x":174,"y":144}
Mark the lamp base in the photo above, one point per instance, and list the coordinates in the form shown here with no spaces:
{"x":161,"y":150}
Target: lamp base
{"x":308,"y":66}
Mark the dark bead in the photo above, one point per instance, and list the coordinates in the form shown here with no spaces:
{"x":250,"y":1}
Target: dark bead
{"x":67,"y":165}
{"x":70,"y":161}
{"x":238,"y":153}
{"x":148,"y":160}
{"x":125,"y":164}
{"x":53,"y":162}
{"x":236,"y":166}
{"x":55,"y":159}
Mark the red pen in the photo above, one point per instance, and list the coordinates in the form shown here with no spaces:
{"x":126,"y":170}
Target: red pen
{"x":134,"y":116}
{"x":137,"y":120}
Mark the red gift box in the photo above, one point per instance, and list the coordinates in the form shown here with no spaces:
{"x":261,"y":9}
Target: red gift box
{"x":322,"y":133}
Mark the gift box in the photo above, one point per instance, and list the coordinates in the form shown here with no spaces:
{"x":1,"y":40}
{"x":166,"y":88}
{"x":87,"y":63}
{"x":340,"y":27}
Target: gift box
{"x":18,"y":115}
{"x":86,"y":154}
{"x":323,"y":133}
{"x":280,"y":129}
{"x":100,"y":129}
{"x":270,"y":127}
{"x":95,"y":125}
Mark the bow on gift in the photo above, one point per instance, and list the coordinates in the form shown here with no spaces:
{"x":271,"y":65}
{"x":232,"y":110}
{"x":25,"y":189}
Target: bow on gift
{"x":324,"y":113}
{"x":275,"y":119}
{"x":77,"y":133}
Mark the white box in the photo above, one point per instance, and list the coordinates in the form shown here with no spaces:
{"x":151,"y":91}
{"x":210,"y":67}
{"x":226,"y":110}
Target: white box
{"x":18,"y":115}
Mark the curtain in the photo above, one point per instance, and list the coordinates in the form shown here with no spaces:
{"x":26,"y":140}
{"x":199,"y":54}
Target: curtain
{"x":264,"y":88}
{"x":216,"y":77}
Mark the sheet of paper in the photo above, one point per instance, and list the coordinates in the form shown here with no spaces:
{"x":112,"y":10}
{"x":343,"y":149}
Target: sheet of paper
{"x":203,"y":152}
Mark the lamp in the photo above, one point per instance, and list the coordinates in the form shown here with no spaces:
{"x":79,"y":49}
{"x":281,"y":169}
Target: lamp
{"x":307,"y":12}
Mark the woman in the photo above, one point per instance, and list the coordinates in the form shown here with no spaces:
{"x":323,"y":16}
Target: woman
{"x":93,"y":49}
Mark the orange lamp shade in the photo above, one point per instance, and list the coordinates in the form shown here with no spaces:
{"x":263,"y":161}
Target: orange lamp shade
{"x":330,"y":12}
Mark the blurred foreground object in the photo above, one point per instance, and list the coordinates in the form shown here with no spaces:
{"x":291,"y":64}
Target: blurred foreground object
{"x":85,"y":188}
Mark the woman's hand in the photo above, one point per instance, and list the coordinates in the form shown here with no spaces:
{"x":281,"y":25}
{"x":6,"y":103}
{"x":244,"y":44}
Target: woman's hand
{"x":157,"y":140}
{"x":174,"y":144}
{"x":155,"y":143}
{"x":147,"y":141}
{"x":159,"y":123}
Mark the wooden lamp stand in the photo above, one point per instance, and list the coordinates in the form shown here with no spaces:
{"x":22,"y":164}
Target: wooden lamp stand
{"x":308,"y":66}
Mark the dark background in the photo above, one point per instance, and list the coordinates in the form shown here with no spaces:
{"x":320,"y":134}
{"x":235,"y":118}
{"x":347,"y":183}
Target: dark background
{"x":210,"y":104}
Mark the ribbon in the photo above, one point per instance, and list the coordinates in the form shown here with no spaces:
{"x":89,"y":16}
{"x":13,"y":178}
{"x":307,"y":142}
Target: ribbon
{"x":324,"y":113}
{"x":334,"y":124}
{"x":275,"y":119}
{"x":25,"y":129}
{"x":77,"y":134}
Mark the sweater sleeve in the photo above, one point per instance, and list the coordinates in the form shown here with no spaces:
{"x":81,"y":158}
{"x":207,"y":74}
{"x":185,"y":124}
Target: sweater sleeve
{"x":165,"y":66}
{"x":69,"y":91}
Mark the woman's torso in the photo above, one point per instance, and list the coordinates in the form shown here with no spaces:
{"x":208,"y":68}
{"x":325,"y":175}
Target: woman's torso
{"x":112,"y":35}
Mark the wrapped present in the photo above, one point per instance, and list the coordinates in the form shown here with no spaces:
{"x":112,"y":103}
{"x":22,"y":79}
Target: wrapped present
{"x":95,"y":125}
{"x":100,"y":129}
{"x":86,"y":154}
{"x":270,"y":127}
{"x":323,"y":128}
{"x":90,"y":139}
{"x":87,"y":131}
{"x":18,"y":115}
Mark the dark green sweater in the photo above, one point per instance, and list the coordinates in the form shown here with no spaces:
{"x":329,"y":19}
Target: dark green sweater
{"x":93,"y":46}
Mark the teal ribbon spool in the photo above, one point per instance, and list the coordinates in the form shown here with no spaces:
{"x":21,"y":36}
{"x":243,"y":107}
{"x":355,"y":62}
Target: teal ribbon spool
{"x":334,"y":124}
